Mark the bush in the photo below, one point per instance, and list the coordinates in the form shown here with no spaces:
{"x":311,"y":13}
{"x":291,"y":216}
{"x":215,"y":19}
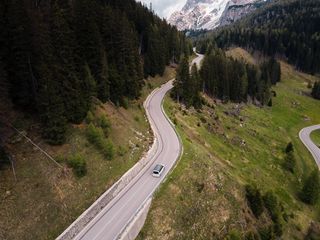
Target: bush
{"x":254,"y":199}
{"x":252,"y":236}
{"x":105,"y":124}
{"x":96,"y":136}
{"x":311,"y":188}
{"x":78,"y":164}
{"x":89,"y":118}
{"x":121,"y":151}
{"x":233,"y":235}
{"x":107,"y":149}
{"x":266,"y":233}
{"x":124,"y":102}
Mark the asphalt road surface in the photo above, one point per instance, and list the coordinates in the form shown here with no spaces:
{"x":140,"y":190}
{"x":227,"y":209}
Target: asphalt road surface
{"x":312,"y":147}
{"x":111,"y":221}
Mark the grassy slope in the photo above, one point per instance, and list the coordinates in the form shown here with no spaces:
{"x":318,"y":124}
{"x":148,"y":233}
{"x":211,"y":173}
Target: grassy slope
{"x":315,"y":136}
{"x":204,"y":198}
{"x":45,"y":199}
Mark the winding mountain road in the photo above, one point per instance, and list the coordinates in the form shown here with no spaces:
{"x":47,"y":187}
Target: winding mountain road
{"x":112,"y":220}
{"x":311,"y":146}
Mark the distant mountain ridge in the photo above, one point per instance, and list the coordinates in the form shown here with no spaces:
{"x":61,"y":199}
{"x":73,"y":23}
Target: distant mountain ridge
{"x":209,"y":14}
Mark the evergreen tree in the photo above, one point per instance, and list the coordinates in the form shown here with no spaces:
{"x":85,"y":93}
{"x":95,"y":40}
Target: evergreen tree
{"x":49,"y":99}
{"x":311,"y":188}
{"x":182,"y":80}
{"x":63,"y":43}
{"x":89,"y":86}
{"x":195,"y":86}
{"x":316,"y":90}
{"x":290,"y":162}
{"x":19,"y":55}
{"x":154,"y":62}
{"x":91,"y":49}
{"x":289,"y":148}
{"x":255,"y":201}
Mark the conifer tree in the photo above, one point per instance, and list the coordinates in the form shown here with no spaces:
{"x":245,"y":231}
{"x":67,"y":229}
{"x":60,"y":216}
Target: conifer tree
{"x":290,"y":162}
{"x":316,"y":90}
{"x":91,"y":49}
{"x":255,"y":201}
{"x":311,"y":189}
{"x":22,"y":87}
{"x":64,"y":46}
{"x":195,"y":86}
{"x":289,"y":148}
{"x":182,"y":80}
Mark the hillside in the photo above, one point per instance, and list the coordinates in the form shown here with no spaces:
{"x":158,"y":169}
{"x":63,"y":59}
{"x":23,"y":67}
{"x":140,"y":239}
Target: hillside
{"x":73,"y":78}
{"x":57,"y":55}
{"x":227,"y":146}
{"x":287,"y":29}
{"x":44,"y":199}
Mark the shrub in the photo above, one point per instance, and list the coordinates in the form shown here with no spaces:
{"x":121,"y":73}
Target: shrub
{"x":233,"y":235}
{"x":254,"y":199}
{"x":266,"y":233}
{"x":89,"y":118}
{"x":121,"y":151}
{"x":311,"y":188}
{"x":107,"y":149}
{"x":78,"y":164}
{"x":124,"y":102}
{"x":105,"y":124}
{"x":252,"y":236}
{"x":96,"y":136}
{"x":271,"y":203}
{"x":137,"y":119}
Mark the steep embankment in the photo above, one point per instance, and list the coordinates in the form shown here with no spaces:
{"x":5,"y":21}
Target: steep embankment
{"x":230,"y":145}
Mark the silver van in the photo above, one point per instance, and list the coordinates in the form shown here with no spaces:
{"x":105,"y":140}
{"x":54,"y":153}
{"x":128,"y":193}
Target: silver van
{"x":158,"y":170}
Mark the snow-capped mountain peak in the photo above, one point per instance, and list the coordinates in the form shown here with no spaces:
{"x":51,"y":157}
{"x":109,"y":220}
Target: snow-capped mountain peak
{"x":208,"y":14}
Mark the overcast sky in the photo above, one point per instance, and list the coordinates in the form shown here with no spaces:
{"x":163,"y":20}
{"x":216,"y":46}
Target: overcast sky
{"x":164,"y":8}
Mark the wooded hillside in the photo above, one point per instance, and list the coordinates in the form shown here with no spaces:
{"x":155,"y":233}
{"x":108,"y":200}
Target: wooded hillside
{"x":56,"y":55}
{"x":289,"y":29}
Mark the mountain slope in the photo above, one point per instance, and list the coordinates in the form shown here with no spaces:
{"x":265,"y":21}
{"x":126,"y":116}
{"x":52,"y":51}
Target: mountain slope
{"x":209,"y":14}
{"x":289,"y":29}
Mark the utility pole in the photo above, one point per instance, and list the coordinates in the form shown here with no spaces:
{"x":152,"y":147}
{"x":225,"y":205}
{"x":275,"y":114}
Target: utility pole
{"x":151,"y":6}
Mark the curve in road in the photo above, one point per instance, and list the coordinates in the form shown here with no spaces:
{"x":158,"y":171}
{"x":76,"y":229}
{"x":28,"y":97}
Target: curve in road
{"x":311,"y":146}
{"x":112,"y":220}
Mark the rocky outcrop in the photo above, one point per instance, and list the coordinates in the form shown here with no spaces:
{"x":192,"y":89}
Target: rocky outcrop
{"x":237,"y":9}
